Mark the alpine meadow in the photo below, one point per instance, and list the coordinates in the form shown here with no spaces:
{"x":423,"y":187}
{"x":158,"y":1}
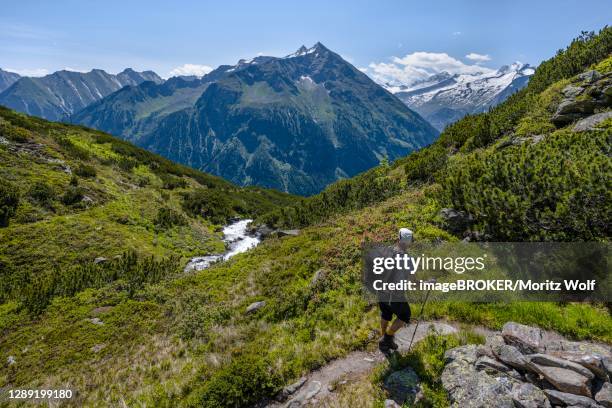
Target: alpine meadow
{"x":199,"y":240}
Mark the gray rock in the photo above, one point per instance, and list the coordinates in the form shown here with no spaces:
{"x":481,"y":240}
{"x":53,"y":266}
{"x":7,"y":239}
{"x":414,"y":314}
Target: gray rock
{"x":511,"y":356}
{"x":455,"y":221}
{"x":494,"y":367}
{"x":604,"y":396}
{"x":607,"y":364}
{"x":253,"y":307}
{"x":527,"y":395}
{"x":525,"y":338}
{"x":263,"y":231}
{"x":584,"y":106}
{"x":391,"y":404}
{"x":468,"y":387}
{"x":591,"y":122}
{"x":561,"y":120}
{"x":403,"y":385}
{"x":100,"y":259}
{"x":468,"y":354}
{"x":304,"y":397}
{"x":96,"y":321}
{"x":318,"y":277}
{"x":572,"y":91}
{"x":288,"y":233}
{"x":291,"y":389}
{"x":592,"y":361}
{"x":564,"y":398}
{"x":551,"y":361}
{"x":96,"y":348}
{"x":590,"y":76}
{"x":564,"y":380}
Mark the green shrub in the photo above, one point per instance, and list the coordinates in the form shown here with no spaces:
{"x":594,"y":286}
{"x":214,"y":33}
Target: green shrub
{"x":9,"y":200}
{"x":170,"y":182}
{"x":557,"y":190}
{"x":167,"y":218}
{"x":38,"y":289}
{"x":210,"y":204}
{"x":73,"y":195}
{"x":42,"y":192}
{"x":14,"y":133}
{"x":86,"y":171}
{"x":127,"y":164}
{"x":71,"y":149}
{"x":245,"y":381}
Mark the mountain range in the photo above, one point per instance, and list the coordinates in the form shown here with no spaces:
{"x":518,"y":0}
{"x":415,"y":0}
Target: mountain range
{"x":57,"y":96}
{"x":295,"y":123}
{"x":7,"y":79}
{"x":444,"y":98}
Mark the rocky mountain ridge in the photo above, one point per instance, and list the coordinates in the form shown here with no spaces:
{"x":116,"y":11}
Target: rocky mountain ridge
{"x":444,"y":98}
{"x":57,"y":96}
{"x":295,"y":123}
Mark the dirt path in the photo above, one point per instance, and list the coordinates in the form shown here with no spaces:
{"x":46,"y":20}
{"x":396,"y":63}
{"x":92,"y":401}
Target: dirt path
{"x":316,"y":385}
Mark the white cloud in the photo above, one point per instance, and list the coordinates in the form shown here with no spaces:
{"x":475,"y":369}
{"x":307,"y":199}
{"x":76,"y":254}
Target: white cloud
{"x":34,"y":72}
{"x":191,"y":69}
{"x":472,"y":56}
{"x":418,"y":66}
{"x":456,"y":33}
{"x":75,"y":70}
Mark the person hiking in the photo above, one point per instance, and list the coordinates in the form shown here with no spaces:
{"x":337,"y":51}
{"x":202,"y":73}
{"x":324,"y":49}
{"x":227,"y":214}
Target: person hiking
{"x":394,"y":305}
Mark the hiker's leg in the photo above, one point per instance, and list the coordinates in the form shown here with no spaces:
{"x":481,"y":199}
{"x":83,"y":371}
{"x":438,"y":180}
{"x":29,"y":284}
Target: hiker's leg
{"x":386,"y":315}
{"x":383,"y":326}
{"x":402,"y":317}
{"x":395,"y":326}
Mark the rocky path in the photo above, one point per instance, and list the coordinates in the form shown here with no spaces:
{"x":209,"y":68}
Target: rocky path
{"x":318,"y":384}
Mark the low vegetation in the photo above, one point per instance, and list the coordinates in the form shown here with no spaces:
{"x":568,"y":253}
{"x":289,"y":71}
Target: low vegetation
{"x":132,"y":329}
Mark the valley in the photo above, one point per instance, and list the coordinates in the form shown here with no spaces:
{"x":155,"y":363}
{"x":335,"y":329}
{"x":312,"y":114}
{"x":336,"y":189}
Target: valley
{"x":137,"y":281}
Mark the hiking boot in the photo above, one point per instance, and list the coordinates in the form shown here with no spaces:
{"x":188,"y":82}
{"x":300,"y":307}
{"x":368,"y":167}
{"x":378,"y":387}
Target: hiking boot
{"x":387,"y":344}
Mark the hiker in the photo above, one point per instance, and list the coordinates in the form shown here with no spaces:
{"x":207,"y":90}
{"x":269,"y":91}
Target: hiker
{"x":398,"y":307}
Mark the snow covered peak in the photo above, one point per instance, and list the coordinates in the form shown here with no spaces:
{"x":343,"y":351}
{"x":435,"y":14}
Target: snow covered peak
{"x":443,"y":98}
{"x":518,"y":67}
{"x":305,"y":51}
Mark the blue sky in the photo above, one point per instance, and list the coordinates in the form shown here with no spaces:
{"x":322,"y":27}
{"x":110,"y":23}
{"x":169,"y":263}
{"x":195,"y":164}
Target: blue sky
{"x":44,"y":36}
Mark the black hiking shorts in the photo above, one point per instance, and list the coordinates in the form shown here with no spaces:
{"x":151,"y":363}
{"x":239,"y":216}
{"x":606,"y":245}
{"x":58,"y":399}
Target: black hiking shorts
{"x":399,"y":309}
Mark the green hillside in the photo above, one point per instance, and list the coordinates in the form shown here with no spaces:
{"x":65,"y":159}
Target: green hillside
{"x":150,"y":338}
{"x":69,"y":195}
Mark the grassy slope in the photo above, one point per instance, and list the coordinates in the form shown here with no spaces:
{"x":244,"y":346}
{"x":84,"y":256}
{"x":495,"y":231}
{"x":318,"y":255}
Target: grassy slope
{"x":188,"y":341}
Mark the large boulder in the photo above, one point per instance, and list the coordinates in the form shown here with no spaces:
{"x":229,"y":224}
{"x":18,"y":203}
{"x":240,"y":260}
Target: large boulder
{"x":511,"y":356}
{"x":455,"y":221}
{"x":564,"y":380}
{"x":604,"y":395}
{"x":590,"y":76}
{"x":403,"y":386}
{"x":566,"y":399}
{"x":525,"y":338}
{"x":592,"y":361}
{"x":551,"y":361}
{"x":471,"y":388}
{"x":572,"y":91}
{"x":583,"y":106}
{"x":591,"y":122}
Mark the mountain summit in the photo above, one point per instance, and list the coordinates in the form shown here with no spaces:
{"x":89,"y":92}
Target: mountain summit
{"x":444,"y":98}
{"x":295,"y":123}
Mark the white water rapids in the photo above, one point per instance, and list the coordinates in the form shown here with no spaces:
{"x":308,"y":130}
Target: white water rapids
{"x":237,"y":239}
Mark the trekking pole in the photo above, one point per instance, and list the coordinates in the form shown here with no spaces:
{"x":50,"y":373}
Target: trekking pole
{"x":421,"y":314}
